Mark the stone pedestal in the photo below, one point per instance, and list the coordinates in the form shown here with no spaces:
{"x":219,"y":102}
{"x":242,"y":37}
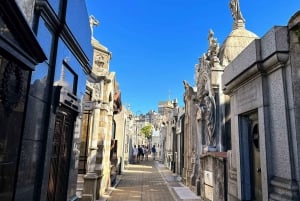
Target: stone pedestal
{"x":212,"y":178}
{"x":90,"y":187}
{"x":86,"y":197}
{"x":209,"y":149}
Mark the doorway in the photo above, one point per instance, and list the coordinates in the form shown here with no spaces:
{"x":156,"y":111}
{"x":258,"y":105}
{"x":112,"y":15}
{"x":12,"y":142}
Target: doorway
{"x":256,"y":167}
{"x":251,"y":185}
{"x":60,"y":157}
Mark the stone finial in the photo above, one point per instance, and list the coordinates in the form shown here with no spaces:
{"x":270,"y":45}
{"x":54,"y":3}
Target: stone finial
{"x":210,"y":37}
{"x":93,"y":22}
{"x":236,"y":13}
{"x":189,"y":91}
{"x":213,"y":46}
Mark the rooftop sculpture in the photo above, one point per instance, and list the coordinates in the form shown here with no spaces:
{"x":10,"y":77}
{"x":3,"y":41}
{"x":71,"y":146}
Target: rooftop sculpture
{"x":236,"y":13}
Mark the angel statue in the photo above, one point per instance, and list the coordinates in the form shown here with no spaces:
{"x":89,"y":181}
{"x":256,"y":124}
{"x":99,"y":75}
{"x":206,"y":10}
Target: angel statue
{"x":210,"y":117}
{"x":235,"y":10}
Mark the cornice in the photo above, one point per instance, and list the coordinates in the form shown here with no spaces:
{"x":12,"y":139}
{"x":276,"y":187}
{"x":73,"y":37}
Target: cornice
{"x":19,"y":27}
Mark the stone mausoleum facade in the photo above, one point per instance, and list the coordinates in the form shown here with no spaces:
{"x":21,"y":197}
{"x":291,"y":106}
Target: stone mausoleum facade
{"x":241,"y":119}
{"x":263,"y":85}
{"x":98,"y":162}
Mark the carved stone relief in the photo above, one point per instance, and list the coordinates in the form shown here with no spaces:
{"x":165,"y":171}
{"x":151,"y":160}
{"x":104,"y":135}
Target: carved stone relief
{"x":207,"y":106}
{"x":12,"y":86}
{"x":99,"y":61}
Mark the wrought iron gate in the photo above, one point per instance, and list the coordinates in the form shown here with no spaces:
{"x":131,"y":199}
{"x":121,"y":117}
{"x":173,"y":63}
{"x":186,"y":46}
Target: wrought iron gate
{"x":60,"y":157}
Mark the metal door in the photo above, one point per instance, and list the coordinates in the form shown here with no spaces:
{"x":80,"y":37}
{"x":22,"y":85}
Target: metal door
{"x":60,"y":157}
{"x":256,"y":168}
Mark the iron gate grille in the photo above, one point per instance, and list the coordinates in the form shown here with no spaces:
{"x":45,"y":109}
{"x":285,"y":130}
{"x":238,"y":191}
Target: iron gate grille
{"x":60,"y":158}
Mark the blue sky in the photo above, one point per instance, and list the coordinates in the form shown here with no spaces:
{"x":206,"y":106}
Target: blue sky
{"x":156,"y":44}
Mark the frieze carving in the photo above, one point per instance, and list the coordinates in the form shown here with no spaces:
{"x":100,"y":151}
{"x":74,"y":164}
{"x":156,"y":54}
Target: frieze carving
{"x":12,"y":87}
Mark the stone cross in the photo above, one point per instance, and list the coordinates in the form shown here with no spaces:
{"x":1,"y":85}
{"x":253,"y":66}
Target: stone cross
{"x":93,"y":22}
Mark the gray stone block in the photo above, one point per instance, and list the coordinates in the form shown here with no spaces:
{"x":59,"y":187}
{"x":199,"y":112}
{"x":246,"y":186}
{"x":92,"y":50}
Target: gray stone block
{"x":275,"y":40}
{"x":86,"y":197}
{"x":245,"y":60}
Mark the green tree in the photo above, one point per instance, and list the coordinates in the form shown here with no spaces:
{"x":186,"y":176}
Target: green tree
{"x":147,"y":131}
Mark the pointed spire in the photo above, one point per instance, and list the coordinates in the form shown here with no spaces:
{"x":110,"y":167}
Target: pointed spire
{"x":62,"y":78}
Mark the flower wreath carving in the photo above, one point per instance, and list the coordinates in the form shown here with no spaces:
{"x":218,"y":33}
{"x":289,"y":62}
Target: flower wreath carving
{"x":12,"y":91}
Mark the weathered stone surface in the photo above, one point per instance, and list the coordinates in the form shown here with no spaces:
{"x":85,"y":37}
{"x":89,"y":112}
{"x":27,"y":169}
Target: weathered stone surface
{"x":275,"y":40}
{"x":212,"y":175}
{"x":260,"y":81}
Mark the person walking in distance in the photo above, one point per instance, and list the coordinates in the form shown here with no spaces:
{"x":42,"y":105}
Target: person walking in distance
{"x":146,"y":152}
{"x":153,"y":150}
{"x":134,"y":154}
{"x":140,"y":153}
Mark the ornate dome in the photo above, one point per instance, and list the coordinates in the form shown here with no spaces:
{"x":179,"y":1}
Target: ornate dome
{"x":235,"y":43}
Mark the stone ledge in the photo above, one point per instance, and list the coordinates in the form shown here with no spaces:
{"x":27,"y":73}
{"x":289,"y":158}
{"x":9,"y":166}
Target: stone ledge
{"x":215,"y":154}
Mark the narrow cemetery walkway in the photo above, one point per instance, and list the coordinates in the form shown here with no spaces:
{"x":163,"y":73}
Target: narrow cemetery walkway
{"x":149,"y":181}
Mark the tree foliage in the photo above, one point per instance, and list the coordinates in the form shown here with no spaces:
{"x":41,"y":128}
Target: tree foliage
{"x":147,"y":131}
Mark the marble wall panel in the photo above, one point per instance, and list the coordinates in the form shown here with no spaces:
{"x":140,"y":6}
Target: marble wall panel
{"x":29,"y":170}
{"x":36,"y":119}
{"x":73,"y":170}
{"x":46,"y":165}
{"x":278,"y":124}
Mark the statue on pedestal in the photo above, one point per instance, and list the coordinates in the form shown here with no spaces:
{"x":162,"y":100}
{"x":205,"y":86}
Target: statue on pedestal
{"x":206,"y":113}
{"x":210,"y":118}
{"x":235,"y":10}
{"x":238,"y":18}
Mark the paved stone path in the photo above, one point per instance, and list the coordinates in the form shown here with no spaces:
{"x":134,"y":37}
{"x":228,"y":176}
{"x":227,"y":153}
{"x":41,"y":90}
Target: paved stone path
{"x":149,"y":181}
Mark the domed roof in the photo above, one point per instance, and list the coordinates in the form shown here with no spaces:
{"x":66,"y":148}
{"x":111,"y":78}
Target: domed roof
{"x":234,"y":44}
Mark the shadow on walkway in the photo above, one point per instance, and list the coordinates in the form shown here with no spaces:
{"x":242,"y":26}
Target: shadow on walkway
{"x":149,"y":181}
